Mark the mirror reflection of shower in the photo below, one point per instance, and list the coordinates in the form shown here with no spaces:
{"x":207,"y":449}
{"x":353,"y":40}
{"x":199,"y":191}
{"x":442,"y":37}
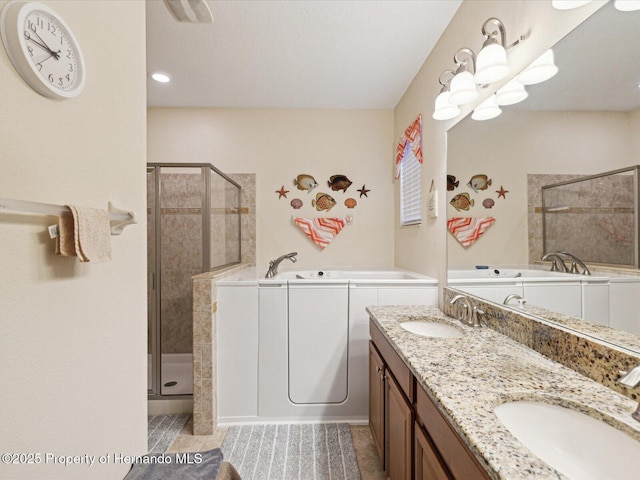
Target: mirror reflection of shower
{"x":193,"y":226}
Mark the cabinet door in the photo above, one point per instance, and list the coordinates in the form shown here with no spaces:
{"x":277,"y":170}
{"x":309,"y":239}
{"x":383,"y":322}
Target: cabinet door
{"x":398,"y":432}
{"x":427,"y":462}
{"x":376,"y":400}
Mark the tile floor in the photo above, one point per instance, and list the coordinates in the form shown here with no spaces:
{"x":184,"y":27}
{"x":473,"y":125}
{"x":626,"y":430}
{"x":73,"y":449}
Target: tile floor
{"x":366,"y":454}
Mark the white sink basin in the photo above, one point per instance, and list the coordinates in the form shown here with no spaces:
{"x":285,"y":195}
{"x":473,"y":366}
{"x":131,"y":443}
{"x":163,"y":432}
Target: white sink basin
{"x":573,"y":443}
{"x":431,"y":329}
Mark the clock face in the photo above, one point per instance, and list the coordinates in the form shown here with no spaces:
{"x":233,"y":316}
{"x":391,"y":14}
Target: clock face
{"x":51,"y":51}
{"x":42,"y":49}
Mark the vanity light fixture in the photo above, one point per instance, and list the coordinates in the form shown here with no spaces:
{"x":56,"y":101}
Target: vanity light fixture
{"x":487,"y":109}
{"x":444,"y":110}
{"x":568,"y":4}
{"x":463,"y":86}
{"x":541,"y":69}
{"x":512,"y":93}
{"x":627,"y":5}
{"x":161,"y":77}
{"x":491,"y":64}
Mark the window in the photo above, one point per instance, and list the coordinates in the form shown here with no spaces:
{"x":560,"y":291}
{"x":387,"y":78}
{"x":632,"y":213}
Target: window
{"x":410,"y":189}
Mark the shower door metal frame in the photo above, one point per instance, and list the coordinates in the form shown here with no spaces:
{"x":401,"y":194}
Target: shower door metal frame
{"x":636,"y":217}
{"x":205,"y":201}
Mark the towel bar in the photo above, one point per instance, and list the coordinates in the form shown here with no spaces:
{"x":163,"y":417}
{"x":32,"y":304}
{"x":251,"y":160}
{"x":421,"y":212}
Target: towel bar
{"x":118,"y":218}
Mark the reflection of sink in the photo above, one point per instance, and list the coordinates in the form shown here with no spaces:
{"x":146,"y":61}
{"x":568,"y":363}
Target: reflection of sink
{"x":573,"y":443}
{"x":431,"y":329}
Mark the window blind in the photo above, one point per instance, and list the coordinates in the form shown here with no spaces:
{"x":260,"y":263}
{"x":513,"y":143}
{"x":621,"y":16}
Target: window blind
{"x":410,"y":189}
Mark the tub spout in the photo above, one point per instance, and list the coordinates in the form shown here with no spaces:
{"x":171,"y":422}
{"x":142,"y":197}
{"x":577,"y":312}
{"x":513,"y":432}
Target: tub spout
{"x":273,"y":264}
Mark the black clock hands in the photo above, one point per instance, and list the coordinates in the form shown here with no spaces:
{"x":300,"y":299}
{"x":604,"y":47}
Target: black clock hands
{"x":42,"y":45}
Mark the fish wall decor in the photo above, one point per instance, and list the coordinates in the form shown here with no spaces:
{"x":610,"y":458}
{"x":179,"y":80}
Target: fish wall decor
{"x":462,"y":201}
{"x":339,"y":182}
{"x":452,"y":183}
{"x":323,"y":201}
{"x":305,"y":182}
{"x":479,"y":182}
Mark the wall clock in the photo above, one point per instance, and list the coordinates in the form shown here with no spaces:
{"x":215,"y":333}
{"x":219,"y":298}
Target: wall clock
{"x":42,"y":49}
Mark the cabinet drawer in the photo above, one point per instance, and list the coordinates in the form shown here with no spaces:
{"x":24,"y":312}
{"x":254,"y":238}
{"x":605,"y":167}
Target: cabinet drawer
{"x":456,"y":455}
{"x":400,"y":371}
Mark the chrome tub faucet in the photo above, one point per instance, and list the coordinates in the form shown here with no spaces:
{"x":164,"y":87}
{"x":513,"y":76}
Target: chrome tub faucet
{"x":273,"y":264}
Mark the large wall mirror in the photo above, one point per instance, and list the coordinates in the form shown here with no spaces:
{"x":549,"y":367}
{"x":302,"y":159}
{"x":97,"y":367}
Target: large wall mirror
{"x":584,"y":121}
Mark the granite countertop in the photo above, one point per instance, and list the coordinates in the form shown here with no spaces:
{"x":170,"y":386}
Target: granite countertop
{"x":468,"y":376}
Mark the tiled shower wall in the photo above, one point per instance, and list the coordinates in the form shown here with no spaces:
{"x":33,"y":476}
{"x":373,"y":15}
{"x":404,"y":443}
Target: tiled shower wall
{"x":182,"y":243}
{"x":181,"y":256}
{"x":599,"y":226}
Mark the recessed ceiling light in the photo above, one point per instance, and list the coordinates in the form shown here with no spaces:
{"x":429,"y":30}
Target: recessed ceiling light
{"x":161,"y":77}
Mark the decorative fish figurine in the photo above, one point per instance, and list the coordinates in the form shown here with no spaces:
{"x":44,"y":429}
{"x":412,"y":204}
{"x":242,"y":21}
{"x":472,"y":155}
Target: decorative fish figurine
{"x":296,"y":203}
{"x":479,"y":182}
{"x":339,"y":182}
{"x":305,"y":182}
{"x":462,"y":201}
{"x":452,"y":183}
{"x":323,"y":201}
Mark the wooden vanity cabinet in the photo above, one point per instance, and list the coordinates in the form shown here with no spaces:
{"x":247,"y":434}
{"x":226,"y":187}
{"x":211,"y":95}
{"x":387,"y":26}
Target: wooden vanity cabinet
{"x":376,"y":400}
{"x":413,"y":438}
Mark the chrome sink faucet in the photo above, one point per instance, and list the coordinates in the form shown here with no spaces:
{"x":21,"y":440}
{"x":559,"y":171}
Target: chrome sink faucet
{"x":632,"y":379}
{"x":514,"y":296}
{"x":471,"y":312}
{"x":273,"y":264}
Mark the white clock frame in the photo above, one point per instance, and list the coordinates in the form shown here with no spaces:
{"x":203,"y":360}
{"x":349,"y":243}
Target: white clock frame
{"x":12,"y":24}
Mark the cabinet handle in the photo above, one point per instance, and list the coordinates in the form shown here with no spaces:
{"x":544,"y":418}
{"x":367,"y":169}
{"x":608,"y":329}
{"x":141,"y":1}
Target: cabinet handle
{"x":378,"y":369}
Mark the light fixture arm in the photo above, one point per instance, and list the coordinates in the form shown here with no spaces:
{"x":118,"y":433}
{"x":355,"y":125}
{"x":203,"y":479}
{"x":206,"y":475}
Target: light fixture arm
{"x":491,"y":34}
{"x":445,"y":83}
{"x":462,"y":62}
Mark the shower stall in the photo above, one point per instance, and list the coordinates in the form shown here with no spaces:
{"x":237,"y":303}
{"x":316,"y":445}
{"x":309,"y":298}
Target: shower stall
{"x":193,"y":226}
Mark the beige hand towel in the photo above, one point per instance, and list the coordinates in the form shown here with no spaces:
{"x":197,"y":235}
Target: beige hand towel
{"x":65,"y":241}
{"x":85,"y":233}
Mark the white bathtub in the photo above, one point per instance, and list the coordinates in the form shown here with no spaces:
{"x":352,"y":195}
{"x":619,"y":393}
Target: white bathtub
{"x":582,"y":296}
{"x":294,"y":347}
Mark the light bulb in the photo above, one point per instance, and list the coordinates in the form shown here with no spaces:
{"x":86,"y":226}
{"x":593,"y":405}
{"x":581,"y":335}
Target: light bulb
{"x":543,"y":68}
{"x":486,"y":110}
{"x":463,"y":88}
{"x":491,"y":64}
{"x":568,"y":4}
{"x":627,"y":5}
{"x":161,"y":77}
{"x":513,"y":92}
{"x":445,"y":110}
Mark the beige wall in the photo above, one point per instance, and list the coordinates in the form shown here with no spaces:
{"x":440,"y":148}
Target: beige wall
{"x":73,"y":336}
{"x":424,"y":248}
{"x":518,"y":143}
{"x":278,"y":145}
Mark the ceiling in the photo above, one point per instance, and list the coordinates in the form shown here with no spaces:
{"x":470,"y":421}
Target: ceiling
{"x":351,"y":54}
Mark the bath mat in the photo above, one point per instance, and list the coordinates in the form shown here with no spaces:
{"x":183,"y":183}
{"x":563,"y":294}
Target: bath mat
{"x":290,"y":452}
{"x":177,"y":466}
{"x":162,"y":430}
